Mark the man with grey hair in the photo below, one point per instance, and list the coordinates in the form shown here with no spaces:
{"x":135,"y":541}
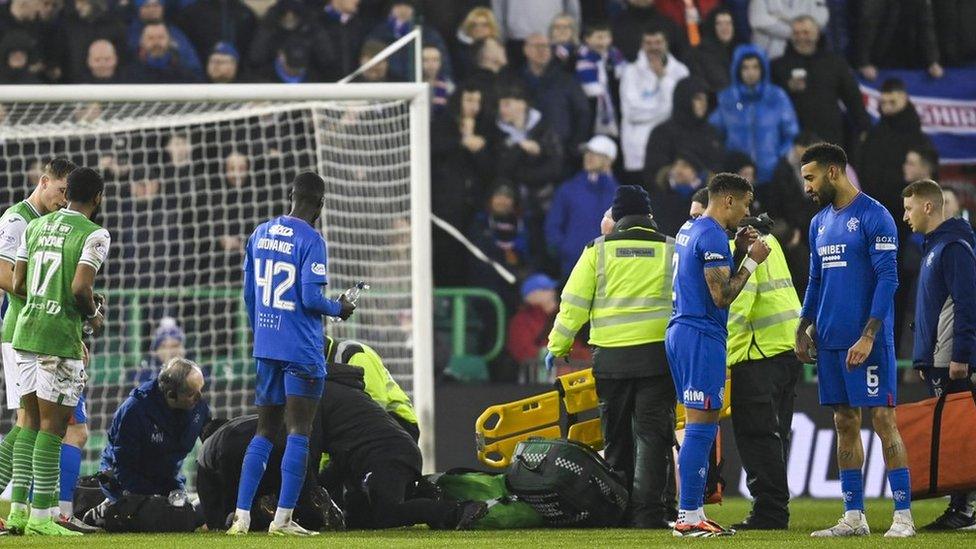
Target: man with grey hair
{"x":151,"y":434}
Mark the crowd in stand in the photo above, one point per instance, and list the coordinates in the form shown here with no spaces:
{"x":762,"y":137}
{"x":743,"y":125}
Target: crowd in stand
{"x":673,"y":90}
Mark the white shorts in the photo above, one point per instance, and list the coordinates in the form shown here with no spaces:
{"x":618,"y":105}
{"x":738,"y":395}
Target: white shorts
{"x":11,"y":375}
{"x":55,"y":379}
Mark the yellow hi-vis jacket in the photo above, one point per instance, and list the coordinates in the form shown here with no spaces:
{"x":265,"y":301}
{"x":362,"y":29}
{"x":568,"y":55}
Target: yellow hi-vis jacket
{"x":622,"y":286}
{"x":763,"y":319}
{"x":380,"y":385}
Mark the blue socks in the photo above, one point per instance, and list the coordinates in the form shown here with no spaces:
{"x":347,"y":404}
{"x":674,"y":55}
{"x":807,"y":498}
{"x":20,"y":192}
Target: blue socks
{"x":293,"y":471}
{"x":693,"y":464}
{"x":852,"y":488}
{"x":901,"y":488}
{"x":252,"y":469}
{"x":70,"y":468}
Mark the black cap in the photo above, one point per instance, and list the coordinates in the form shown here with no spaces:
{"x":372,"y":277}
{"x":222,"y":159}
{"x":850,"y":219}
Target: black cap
{"x":630,"y":200}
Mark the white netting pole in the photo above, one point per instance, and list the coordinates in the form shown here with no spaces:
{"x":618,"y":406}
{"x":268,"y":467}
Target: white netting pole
{"x":422,"y":275}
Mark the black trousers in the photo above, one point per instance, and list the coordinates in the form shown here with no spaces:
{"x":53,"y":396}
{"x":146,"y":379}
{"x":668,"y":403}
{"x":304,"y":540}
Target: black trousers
{"x":637,"y":417}
{"x":390,"y":502}
{"x":763,"y":392}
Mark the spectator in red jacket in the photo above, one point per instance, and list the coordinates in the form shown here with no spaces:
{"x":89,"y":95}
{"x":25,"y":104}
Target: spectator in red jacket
{"x":528,"y":331}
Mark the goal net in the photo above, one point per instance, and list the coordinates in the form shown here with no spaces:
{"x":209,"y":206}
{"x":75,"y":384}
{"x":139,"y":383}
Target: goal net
{"x":190,"y":171}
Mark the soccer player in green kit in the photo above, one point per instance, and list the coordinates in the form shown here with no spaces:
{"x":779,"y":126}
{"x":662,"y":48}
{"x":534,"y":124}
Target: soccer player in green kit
{"x":56,"y":266}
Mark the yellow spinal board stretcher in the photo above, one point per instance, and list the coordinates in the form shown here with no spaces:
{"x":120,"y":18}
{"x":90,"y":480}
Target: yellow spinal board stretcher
{"x":553,"y":414}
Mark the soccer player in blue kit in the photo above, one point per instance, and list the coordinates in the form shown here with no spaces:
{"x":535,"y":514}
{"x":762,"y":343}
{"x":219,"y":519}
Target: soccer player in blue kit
{"x":706,"y":282}
{"x":284,"y":275}
{"x":849,"y":308}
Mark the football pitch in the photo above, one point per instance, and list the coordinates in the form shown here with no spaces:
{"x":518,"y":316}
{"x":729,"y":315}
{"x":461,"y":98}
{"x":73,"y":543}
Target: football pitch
{"x":807,"y":515}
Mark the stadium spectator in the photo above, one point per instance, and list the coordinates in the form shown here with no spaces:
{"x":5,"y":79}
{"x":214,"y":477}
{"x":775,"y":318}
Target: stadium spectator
{"x":771,"y":21}
{"x":556,"y":94}
{"x":688,"y":15}
{"x":564,"y":36}
{"x":460,"y":161}
{"x":38,"y":20}
{"x":480,"y":24}
{"x":207,"y":22}
{"x":529,"y":329}
{"x":491,"y":64}
{"x":839,"y":27}
{"x":639,"y":16}
{"x":896,"y":34}
{"x":687,"y":129}
{"x":85,"y":22}
{"x":598,"y":68}
{"x":527,"y":152}
{"x":501,"y":233}
{"x":159,"y":60}
{"x":151,"y":434}
{"x":441,"y":86}
{"x":290,"y":65}
{"x":154,"y":12}
{"x":671,"y":194}
{"x":818,"y":81}
{"x":291,"y":20}
{"x":712,"y":58}
{"x":168,"y":343}
{"x":953,"y":21}
{"x":791,"y":209}
{"x":518,"y":19}
{"x":578,"y":205}
{"x":223,"y":64}
{"x":921,"y":162}
{"x":148,"y":233}
{"x":755,"y":115}
{"x":346,"y":30}
{"x":102,"y":64}
{"x":18,"y":50}
{"x":950,"y":203}
{"x":888,"y":142}
{"x":401,"y":20}
{"x":379,"y":72}
{"x":646,"y":96}
{"x":741,"y":164}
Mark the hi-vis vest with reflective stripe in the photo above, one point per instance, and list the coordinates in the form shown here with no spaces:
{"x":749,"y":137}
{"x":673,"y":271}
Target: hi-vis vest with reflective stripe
{"x":763,"y":319}
{"x":622,"y":286}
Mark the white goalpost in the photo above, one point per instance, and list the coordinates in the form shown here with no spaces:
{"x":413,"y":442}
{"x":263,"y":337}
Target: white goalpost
{"x":190,"y":171}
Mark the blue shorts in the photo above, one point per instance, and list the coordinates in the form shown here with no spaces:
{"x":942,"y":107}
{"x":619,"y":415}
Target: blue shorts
{"x":697,"y":364}
{"x":870,"y":385}
{"x":80,"y":415}
{"x":278,"y":379}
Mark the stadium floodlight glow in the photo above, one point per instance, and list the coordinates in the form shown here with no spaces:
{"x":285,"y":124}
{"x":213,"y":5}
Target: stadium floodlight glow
{"x":192,"y":169}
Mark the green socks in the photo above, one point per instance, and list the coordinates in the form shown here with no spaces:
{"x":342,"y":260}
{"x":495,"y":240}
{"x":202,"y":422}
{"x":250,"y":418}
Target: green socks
{"x":23,"y":472}
{"x":47,"y":466}
{"x":7,"y":457}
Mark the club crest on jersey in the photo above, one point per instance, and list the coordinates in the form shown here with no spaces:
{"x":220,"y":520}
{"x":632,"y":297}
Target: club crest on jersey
{"x":820,"y":230}
{"x":928,"y":260}
{"x":852,"y":224}
{"x":281,"y":230}
{"x":318,"y":269}
{"x":712,"y":256}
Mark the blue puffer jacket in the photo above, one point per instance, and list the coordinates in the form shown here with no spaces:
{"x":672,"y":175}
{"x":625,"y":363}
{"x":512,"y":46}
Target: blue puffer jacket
{"x":148,"y":441}
{"x":758,"y":121}
{"x":945,"y":306}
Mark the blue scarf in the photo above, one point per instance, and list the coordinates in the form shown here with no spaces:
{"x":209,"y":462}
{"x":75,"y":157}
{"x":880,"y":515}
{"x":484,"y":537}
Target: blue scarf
{"x":591,"y":73}
{"x":287,"y":78}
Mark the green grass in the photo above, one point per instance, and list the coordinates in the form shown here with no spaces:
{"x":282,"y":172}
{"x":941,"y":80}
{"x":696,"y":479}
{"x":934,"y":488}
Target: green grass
{"x":807,"y":515}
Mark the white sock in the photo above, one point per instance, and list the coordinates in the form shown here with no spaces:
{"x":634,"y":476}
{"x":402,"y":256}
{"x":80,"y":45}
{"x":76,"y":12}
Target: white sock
{"x":41,"y":514}
{"x":691,"y":517}
{"x":14,"y":506}
{"x":854,"y":516}
{"x":282,"y":516}
{"x":67,"y":508}
{"x":243,"y":516}
{"x":904,"y":514}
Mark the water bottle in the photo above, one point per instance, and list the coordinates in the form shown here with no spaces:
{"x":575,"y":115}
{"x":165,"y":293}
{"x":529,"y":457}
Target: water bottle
{"x":352,"y":295}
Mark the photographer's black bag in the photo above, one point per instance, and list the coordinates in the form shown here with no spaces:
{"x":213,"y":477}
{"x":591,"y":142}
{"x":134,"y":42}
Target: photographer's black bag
{"x":567,"y":483}
{"x":139,"y":513}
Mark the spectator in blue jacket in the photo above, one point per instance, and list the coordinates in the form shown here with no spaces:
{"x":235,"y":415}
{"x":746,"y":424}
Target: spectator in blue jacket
{"x":945,"y":312}
{"x":755,"y":115}
{"x":153,"y":11}
{"x":153,"y":431}
{"x":397,"y":25}
{"x":578,"y":206}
